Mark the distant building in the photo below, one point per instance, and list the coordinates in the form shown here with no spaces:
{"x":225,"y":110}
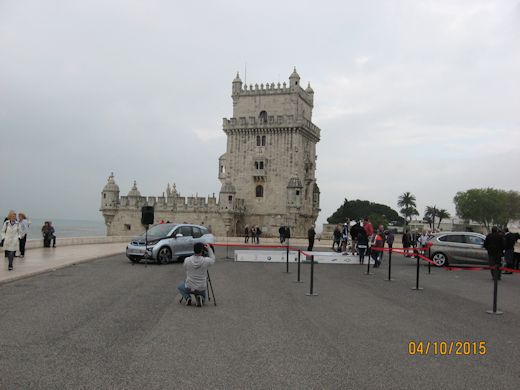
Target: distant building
{"x":267,"y":173}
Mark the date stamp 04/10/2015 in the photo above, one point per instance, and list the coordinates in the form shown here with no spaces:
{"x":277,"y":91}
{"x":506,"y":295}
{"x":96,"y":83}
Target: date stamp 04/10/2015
{"x":447,"y":348}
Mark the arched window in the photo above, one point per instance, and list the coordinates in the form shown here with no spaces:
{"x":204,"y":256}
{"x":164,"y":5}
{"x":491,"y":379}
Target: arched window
{"x":259,"y":191}
{"x":263,"y":117}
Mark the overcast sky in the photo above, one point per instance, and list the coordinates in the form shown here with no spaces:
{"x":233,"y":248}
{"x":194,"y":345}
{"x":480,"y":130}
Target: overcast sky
{"x":419,"y":96}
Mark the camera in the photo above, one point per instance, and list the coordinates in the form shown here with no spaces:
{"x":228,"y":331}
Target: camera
{"x":205,"y":251}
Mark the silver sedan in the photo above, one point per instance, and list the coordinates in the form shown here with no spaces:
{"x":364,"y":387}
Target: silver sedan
{"x":458,"y":248}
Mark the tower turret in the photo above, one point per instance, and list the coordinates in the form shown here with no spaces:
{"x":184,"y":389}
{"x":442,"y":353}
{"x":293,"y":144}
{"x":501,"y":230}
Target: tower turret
{"x":294,"y":79}
{"x":109,"y":199}
{"x":237,"y":86}
{"x":310,"y":92}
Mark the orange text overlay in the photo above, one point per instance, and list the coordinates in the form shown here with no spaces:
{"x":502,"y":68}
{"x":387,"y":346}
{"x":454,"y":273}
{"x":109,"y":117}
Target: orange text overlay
{"x":445,"y":348}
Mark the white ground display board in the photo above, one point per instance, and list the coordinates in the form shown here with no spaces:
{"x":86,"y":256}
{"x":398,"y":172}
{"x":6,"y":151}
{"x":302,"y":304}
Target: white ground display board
{"x":266,"y":256}
{"x":274,"y":256}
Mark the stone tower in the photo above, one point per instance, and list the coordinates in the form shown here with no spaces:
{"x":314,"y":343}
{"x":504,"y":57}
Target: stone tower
{"x":270,"y":158}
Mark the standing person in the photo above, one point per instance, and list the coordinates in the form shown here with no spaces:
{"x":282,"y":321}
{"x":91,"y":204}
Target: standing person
{"x":53,"y":235}
{"x":10,"y":235}
{"x":48,"y":234}
{"x":344,"y":235}
{"x":367,"y":225}
{"x":311,"y":234}
{"x":281,"y":232}
{"x":406,"y":243}
{"x":258,"y":232}
{"x":378,"y":242}
{"x":196,"y":268}
{"x":287,"y":233}
{"x":336,"y":238}
{"x":510,"y":240}
{"x":252,"y":234}
{"x":362,"y":244}
{"x":354,"y":232}
{"x":246,"y":234}
{"x":381,"y":232}
{"x":24,"y":231}
{"x":390,"y":238}
{"x":423,"y":239}
{"x":494,"y":244}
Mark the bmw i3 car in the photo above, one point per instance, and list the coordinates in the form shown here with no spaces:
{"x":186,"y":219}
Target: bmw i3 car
{"x":167,"y":242}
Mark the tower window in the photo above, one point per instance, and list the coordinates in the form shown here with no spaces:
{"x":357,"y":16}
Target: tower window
{"x":263,"y":117}
{"x":259,"y":191}
{"x":259,"y":165}
{"x":263,"y":140}
{"x":104,"y":196}
{"x":258,"y":140}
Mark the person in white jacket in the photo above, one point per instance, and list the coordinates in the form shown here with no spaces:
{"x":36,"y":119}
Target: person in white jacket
{"x":196,"y":268}
{"x":11,"y":235}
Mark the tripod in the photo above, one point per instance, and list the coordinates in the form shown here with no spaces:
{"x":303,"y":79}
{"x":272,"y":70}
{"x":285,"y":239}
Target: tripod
{"x":211,"y":287}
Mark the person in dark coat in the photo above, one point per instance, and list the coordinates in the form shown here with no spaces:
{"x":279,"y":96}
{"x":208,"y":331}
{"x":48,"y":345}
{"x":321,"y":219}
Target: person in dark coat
{"x":311,"y":234}
{"x":362,"y":244}
{"x":281,"y":233}
{"x":494,"y":245}
{"x":354,"y":232}
{"x":407,"y":240}
{"x":510,"y":240}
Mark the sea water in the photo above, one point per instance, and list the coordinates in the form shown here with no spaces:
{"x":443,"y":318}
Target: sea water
{"x":68,"y":228}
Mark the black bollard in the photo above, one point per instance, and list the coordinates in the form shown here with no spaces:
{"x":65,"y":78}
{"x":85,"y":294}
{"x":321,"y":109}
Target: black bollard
{"x":389,"y":265}
{"x":287,"y":258}
{"x":299,"y":256}
{"x":368,"y":265}
{"x":495,"y":292}
{"x":417,"y":277}
{"x":311,"y":291}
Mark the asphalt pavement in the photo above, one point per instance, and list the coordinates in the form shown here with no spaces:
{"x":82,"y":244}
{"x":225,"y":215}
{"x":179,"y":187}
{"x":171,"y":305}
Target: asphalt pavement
{"x":108,"y":324}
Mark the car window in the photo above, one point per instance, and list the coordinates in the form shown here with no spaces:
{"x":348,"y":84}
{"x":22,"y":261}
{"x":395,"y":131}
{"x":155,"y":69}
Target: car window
{"x":459,"y":238}
{"x":196,"y":232}
{"x":204,"y":231}
{"x":185,"y":231}
{"x":474,"y":240}
{"x":161,"y":230}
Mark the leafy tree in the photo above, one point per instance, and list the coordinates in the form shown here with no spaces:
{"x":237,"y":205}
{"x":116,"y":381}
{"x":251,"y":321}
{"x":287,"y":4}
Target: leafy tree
{"x":488,"y":206}
{"x":357,"y":209}
{"x":408,"y":207}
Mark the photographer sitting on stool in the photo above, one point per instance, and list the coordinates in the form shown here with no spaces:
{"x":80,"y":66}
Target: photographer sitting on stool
{"x":196,"y":267}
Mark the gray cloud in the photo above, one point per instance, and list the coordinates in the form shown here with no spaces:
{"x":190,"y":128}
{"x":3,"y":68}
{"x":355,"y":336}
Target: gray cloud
{"x":410,"y":96}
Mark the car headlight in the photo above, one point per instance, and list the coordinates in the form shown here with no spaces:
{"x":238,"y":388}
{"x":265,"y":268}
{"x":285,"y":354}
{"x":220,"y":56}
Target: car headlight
{"x":153,"y":242}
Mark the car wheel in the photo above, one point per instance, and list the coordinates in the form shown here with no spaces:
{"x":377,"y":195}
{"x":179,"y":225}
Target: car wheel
{"x":164,"y":256}
{"x":440,"y":259}
{"x":134,"y":259}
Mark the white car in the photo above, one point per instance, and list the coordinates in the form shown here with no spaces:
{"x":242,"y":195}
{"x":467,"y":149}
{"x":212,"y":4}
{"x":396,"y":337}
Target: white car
{"x":168,"y":241}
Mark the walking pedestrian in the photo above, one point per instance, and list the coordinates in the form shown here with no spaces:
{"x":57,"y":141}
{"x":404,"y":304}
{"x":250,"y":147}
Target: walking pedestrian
{"x":494,"y":244}
{"x":24,"y":231}
{"x":379,"y":243}
{"x":311,"y":234}
{"x":281,"y":233}
{"x":390,"y":237}
{"x":10,"y":235}
{"x":246,"y":234}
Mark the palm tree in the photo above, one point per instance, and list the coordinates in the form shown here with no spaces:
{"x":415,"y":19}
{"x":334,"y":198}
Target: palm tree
{"x":429,"y":215}
{"x":442,"y":214}
{"x":407,"y":203}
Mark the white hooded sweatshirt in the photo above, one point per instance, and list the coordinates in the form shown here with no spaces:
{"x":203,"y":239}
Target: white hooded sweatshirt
{"x":196,"y":267}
